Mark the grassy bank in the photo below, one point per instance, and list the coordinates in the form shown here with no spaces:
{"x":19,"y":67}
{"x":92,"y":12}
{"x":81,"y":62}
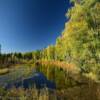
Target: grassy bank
{"x":4,"y":71}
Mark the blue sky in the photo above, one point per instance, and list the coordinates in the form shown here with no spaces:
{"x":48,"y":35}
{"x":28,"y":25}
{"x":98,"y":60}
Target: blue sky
{"x":27,"y":25}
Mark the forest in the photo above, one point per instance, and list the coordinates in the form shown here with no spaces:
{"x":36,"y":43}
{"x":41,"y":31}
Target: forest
{"x":73,"y":63}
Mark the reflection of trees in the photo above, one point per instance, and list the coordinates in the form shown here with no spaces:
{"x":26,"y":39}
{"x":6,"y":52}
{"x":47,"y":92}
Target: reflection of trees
{"x":72,"y":86}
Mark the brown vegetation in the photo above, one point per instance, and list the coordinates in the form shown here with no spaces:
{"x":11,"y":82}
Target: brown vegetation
{"x":60,"y":64}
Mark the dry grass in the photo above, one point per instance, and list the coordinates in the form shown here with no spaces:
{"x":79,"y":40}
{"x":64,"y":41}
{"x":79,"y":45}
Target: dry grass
{"x":4,"y":71}
{"x":61,"y":64}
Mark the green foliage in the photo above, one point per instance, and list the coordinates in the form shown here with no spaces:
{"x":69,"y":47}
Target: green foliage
{"x":80,"y":41}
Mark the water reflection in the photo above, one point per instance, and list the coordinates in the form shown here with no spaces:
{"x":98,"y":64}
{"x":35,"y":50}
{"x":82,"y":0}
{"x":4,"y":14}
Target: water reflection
{"x":38,"y":80}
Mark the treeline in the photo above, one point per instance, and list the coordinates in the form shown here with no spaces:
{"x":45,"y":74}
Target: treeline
{"x":79,"y":42}
{"x":48,"y":53}
{"x":18,"y":58}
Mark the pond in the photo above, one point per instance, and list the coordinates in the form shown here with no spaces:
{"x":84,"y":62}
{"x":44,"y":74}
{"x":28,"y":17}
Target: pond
{"x":25,"y":77}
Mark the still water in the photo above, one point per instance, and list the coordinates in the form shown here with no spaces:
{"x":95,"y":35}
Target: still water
{"x":26,"y":78}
